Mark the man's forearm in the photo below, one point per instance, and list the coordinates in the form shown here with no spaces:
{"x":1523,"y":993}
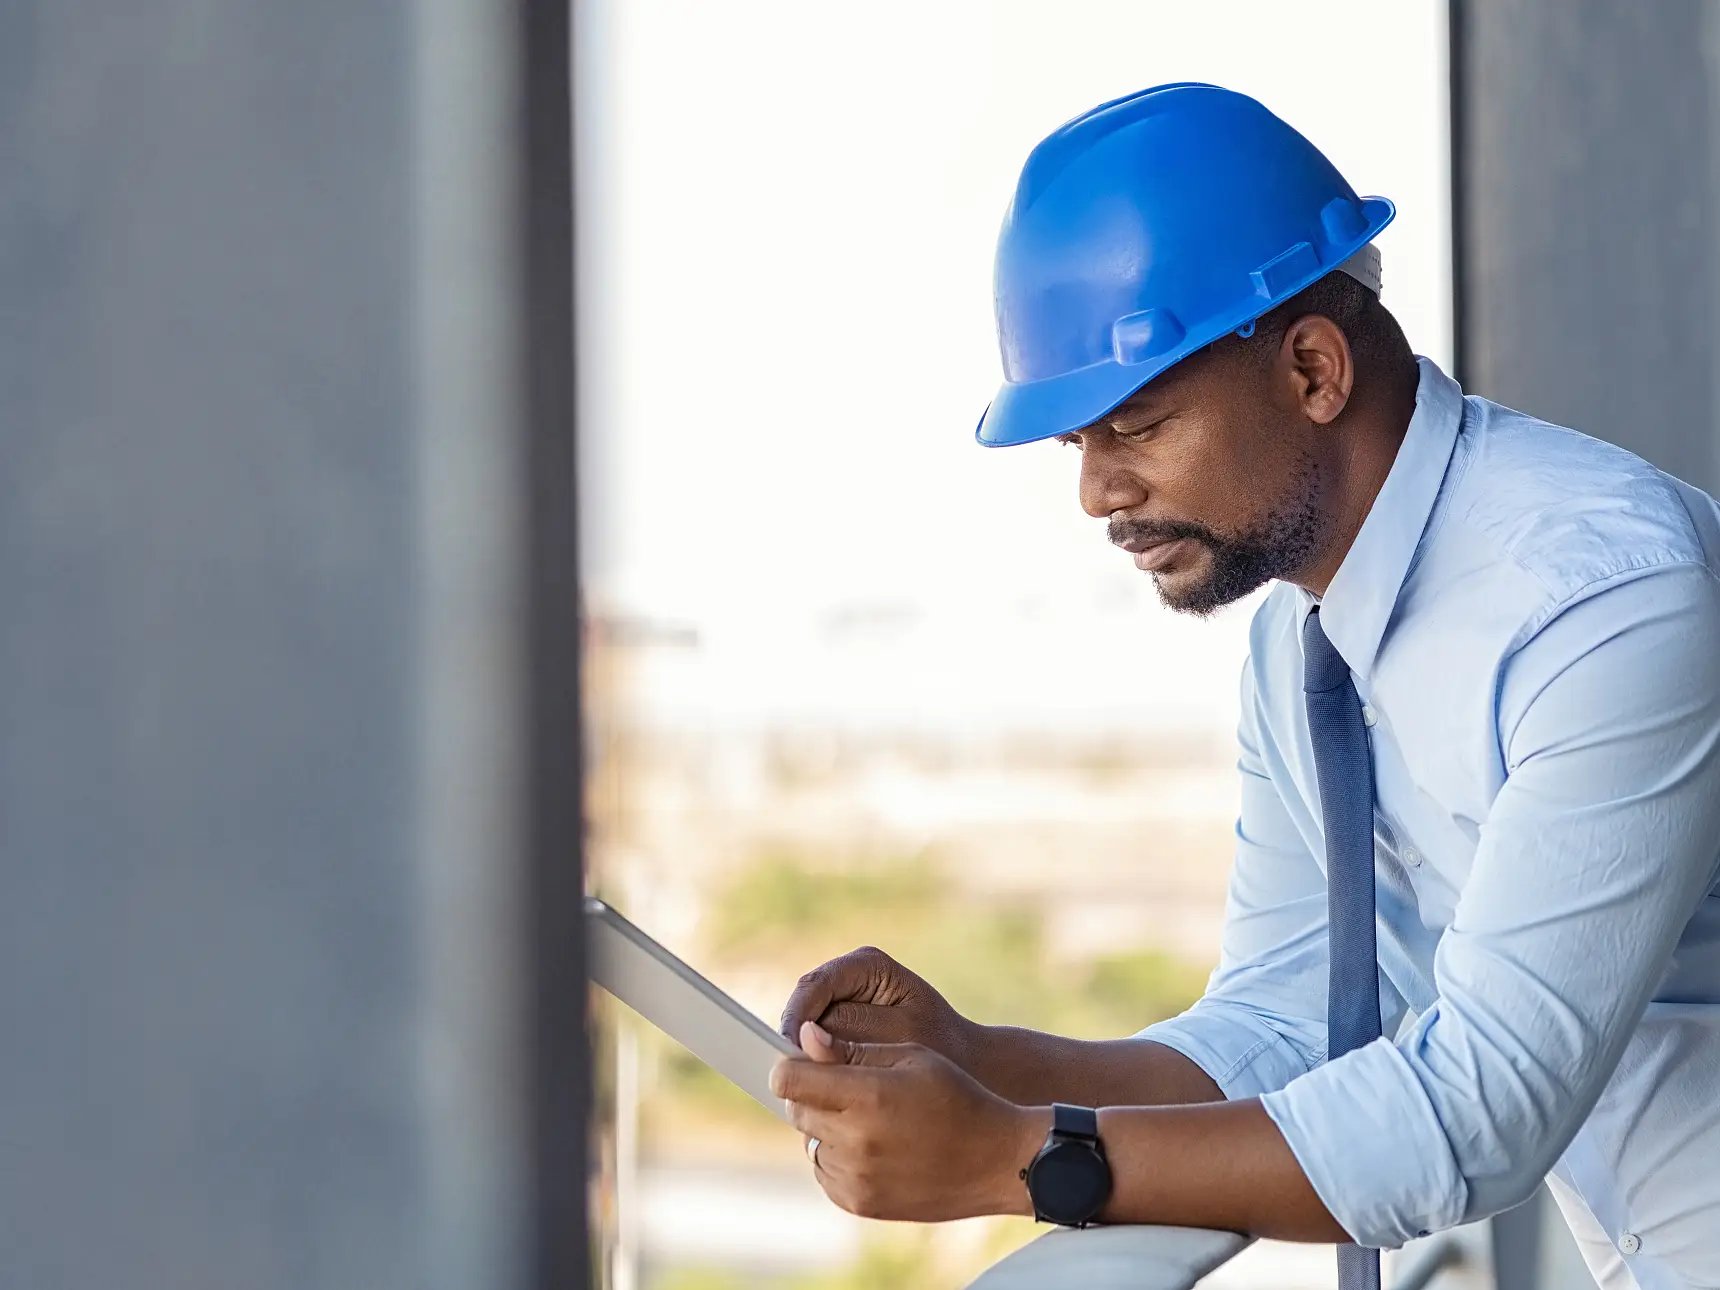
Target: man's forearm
{"x":1223,"y":1167}
{"x":1031,"y":1068}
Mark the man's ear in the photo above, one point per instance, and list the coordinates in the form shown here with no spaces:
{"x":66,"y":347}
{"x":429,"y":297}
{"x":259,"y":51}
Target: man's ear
{"x":1322,"y":371}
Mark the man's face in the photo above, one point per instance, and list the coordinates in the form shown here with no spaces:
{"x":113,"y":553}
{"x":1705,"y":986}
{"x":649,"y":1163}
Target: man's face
{"x":1208,"y":476}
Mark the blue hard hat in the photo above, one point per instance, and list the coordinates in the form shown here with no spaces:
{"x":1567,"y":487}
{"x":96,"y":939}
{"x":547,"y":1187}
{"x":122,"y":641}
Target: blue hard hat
{"x":1146,"y":229}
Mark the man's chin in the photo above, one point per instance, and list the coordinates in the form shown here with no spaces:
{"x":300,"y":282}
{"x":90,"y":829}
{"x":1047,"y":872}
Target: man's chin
{"x":1186,"y":585}
{"x":1183,"y":594}
{"x":1198,"y":594}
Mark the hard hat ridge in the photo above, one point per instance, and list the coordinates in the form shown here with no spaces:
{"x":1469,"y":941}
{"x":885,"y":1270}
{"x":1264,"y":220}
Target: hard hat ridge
{"x":1145,"y":229}
{"x":1076,"y":135}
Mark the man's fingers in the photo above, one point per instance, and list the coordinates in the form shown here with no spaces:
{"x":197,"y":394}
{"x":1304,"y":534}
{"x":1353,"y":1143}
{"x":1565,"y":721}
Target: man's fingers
{"x":815,"y":1084}
{"x":815,"y":1122}
{"x":853,"y":1054}
{"x":833,"y":1081}
{"x":853,"y":976}
{"x":867,"y":1022}
{"x":825,"y":1048}
{"x":810,"y":998}
{"x":818,"y":1043}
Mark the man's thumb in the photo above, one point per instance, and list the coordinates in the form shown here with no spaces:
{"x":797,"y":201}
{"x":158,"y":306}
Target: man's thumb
{"x":822,"y":1046}
{"x":853,"y":1053}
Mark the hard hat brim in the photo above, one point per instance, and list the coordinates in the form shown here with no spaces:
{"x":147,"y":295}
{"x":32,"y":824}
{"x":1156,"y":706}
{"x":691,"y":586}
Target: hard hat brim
{"x":1028,"y":411}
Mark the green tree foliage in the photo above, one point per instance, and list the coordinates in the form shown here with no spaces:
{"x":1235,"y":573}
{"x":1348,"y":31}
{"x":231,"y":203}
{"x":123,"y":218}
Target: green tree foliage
{"x":988,"y":957}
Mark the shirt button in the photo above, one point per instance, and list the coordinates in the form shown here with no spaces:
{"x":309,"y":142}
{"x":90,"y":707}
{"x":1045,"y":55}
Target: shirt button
{"x":1629,"y":1243}
{"x":1369,"y":716}
{"x":1412,"y":857}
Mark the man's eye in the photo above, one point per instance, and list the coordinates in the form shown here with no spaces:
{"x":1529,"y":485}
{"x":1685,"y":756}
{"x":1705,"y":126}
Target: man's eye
{"x":1141,"y":435}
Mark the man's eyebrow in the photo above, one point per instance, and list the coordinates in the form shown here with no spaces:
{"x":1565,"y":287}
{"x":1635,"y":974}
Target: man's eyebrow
{"x":1140,"y":405}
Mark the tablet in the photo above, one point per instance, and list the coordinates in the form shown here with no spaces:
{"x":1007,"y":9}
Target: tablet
{"x":682,"y":1004}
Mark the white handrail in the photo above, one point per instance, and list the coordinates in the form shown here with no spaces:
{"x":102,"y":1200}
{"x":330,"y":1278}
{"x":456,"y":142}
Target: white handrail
{"x":1114,"y":1258}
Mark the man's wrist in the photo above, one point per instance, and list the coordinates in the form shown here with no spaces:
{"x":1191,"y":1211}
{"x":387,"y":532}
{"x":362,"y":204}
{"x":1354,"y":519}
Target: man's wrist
{"x":1031,"y":1125}
{"x":971,"y":1041}
{"x":986,"y":1055}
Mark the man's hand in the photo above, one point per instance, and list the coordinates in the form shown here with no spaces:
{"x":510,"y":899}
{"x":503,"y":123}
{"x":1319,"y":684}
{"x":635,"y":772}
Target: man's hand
{"x":905,"y":1134}
{"x":867,"y":997}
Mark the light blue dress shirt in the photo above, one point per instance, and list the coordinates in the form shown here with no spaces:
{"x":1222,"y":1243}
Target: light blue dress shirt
{"x":1532,"y":618}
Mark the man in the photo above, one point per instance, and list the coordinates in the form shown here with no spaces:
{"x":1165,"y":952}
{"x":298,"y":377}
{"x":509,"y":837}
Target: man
{"x":1473,"y":931}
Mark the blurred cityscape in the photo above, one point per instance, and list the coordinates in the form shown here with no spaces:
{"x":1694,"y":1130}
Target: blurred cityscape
{"x":1071,"y":884}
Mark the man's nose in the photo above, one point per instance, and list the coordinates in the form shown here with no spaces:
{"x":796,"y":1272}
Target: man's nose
{"x":1106,"y":485}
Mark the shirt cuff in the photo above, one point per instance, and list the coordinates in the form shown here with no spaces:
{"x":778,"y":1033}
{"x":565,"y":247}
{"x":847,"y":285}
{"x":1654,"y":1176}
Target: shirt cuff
{"x":1239,"y":1053}
{"x":1366,"y":1135}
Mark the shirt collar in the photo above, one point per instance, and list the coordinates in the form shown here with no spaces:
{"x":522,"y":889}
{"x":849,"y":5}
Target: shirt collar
{"x":1358,"y":604}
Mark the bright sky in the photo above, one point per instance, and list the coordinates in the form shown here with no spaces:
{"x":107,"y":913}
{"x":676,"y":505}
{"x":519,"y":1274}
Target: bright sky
{"x":789,"y":211}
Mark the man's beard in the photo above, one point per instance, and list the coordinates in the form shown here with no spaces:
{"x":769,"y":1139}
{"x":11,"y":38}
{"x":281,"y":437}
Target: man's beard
{"x":1280,"y":544}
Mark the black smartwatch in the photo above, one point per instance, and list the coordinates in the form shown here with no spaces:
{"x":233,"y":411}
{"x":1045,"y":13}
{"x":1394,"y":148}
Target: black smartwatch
{"x":1069,"y":1180}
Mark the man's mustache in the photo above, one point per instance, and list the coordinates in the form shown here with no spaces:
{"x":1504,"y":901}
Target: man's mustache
{"x":1125,"y":532}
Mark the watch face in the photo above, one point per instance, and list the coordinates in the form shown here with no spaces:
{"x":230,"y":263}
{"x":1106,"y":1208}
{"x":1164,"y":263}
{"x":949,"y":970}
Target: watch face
{"x":1069,"y":1183}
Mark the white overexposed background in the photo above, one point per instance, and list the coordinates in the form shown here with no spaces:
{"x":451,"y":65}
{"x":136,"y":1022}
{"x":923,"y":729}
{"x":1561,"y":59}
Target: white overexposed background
{"x":788,"y":213}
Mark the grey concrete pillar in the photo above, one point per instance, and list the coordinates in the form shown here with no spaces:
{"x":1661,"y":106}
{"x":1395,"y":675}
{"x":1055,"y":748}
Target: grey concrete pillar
{"x":290,"y":980}
{"x":1585,"y":151}
{"x":1587,"y":256}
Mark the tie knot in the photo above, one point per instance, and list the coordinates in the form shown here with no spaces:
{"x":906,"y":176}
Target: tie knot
{"x":1323,"y":668}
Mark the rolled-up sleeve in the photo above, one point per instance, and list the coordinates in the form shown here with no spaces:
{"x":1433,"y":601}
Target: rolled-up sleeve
{"x":1262,"y":1021}
{"x":1596,"y":851}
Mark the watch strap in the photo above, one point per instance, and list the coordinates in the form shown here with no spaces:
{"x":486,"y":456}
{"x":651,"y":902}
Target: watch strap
{"x":1074,"y":1121}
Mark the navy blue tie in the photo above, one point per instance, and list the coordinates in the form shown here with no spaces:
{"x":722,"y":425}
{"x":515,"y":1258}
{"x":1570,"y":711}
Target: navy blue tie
{"x":1346,"y":774}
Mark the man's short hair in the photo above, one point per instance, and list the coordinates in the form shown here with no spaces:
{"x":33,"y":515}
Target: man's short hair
{"x":1376,"y":341}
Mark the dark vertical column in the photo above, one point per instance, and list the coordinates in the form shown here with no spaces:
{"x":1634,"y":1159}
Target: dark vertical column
{"x":1584,"y":149}
{"x":1586,"y":253}
{"x":290,"y":994}
{"x":1517,"y":1241}
{"x":559,"y":1090}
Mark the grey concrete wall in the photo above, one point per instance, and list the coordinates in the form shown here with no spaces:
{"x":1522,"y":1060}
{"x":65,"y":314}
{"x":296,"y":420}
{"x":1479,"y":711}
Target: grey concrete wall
{"x":268,"y":783}
{"x":1586,"y":153}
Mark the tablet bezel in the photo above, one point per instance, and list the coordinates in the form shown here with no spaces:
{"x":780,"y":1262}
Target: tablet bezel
{"x":679,"y":1001}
